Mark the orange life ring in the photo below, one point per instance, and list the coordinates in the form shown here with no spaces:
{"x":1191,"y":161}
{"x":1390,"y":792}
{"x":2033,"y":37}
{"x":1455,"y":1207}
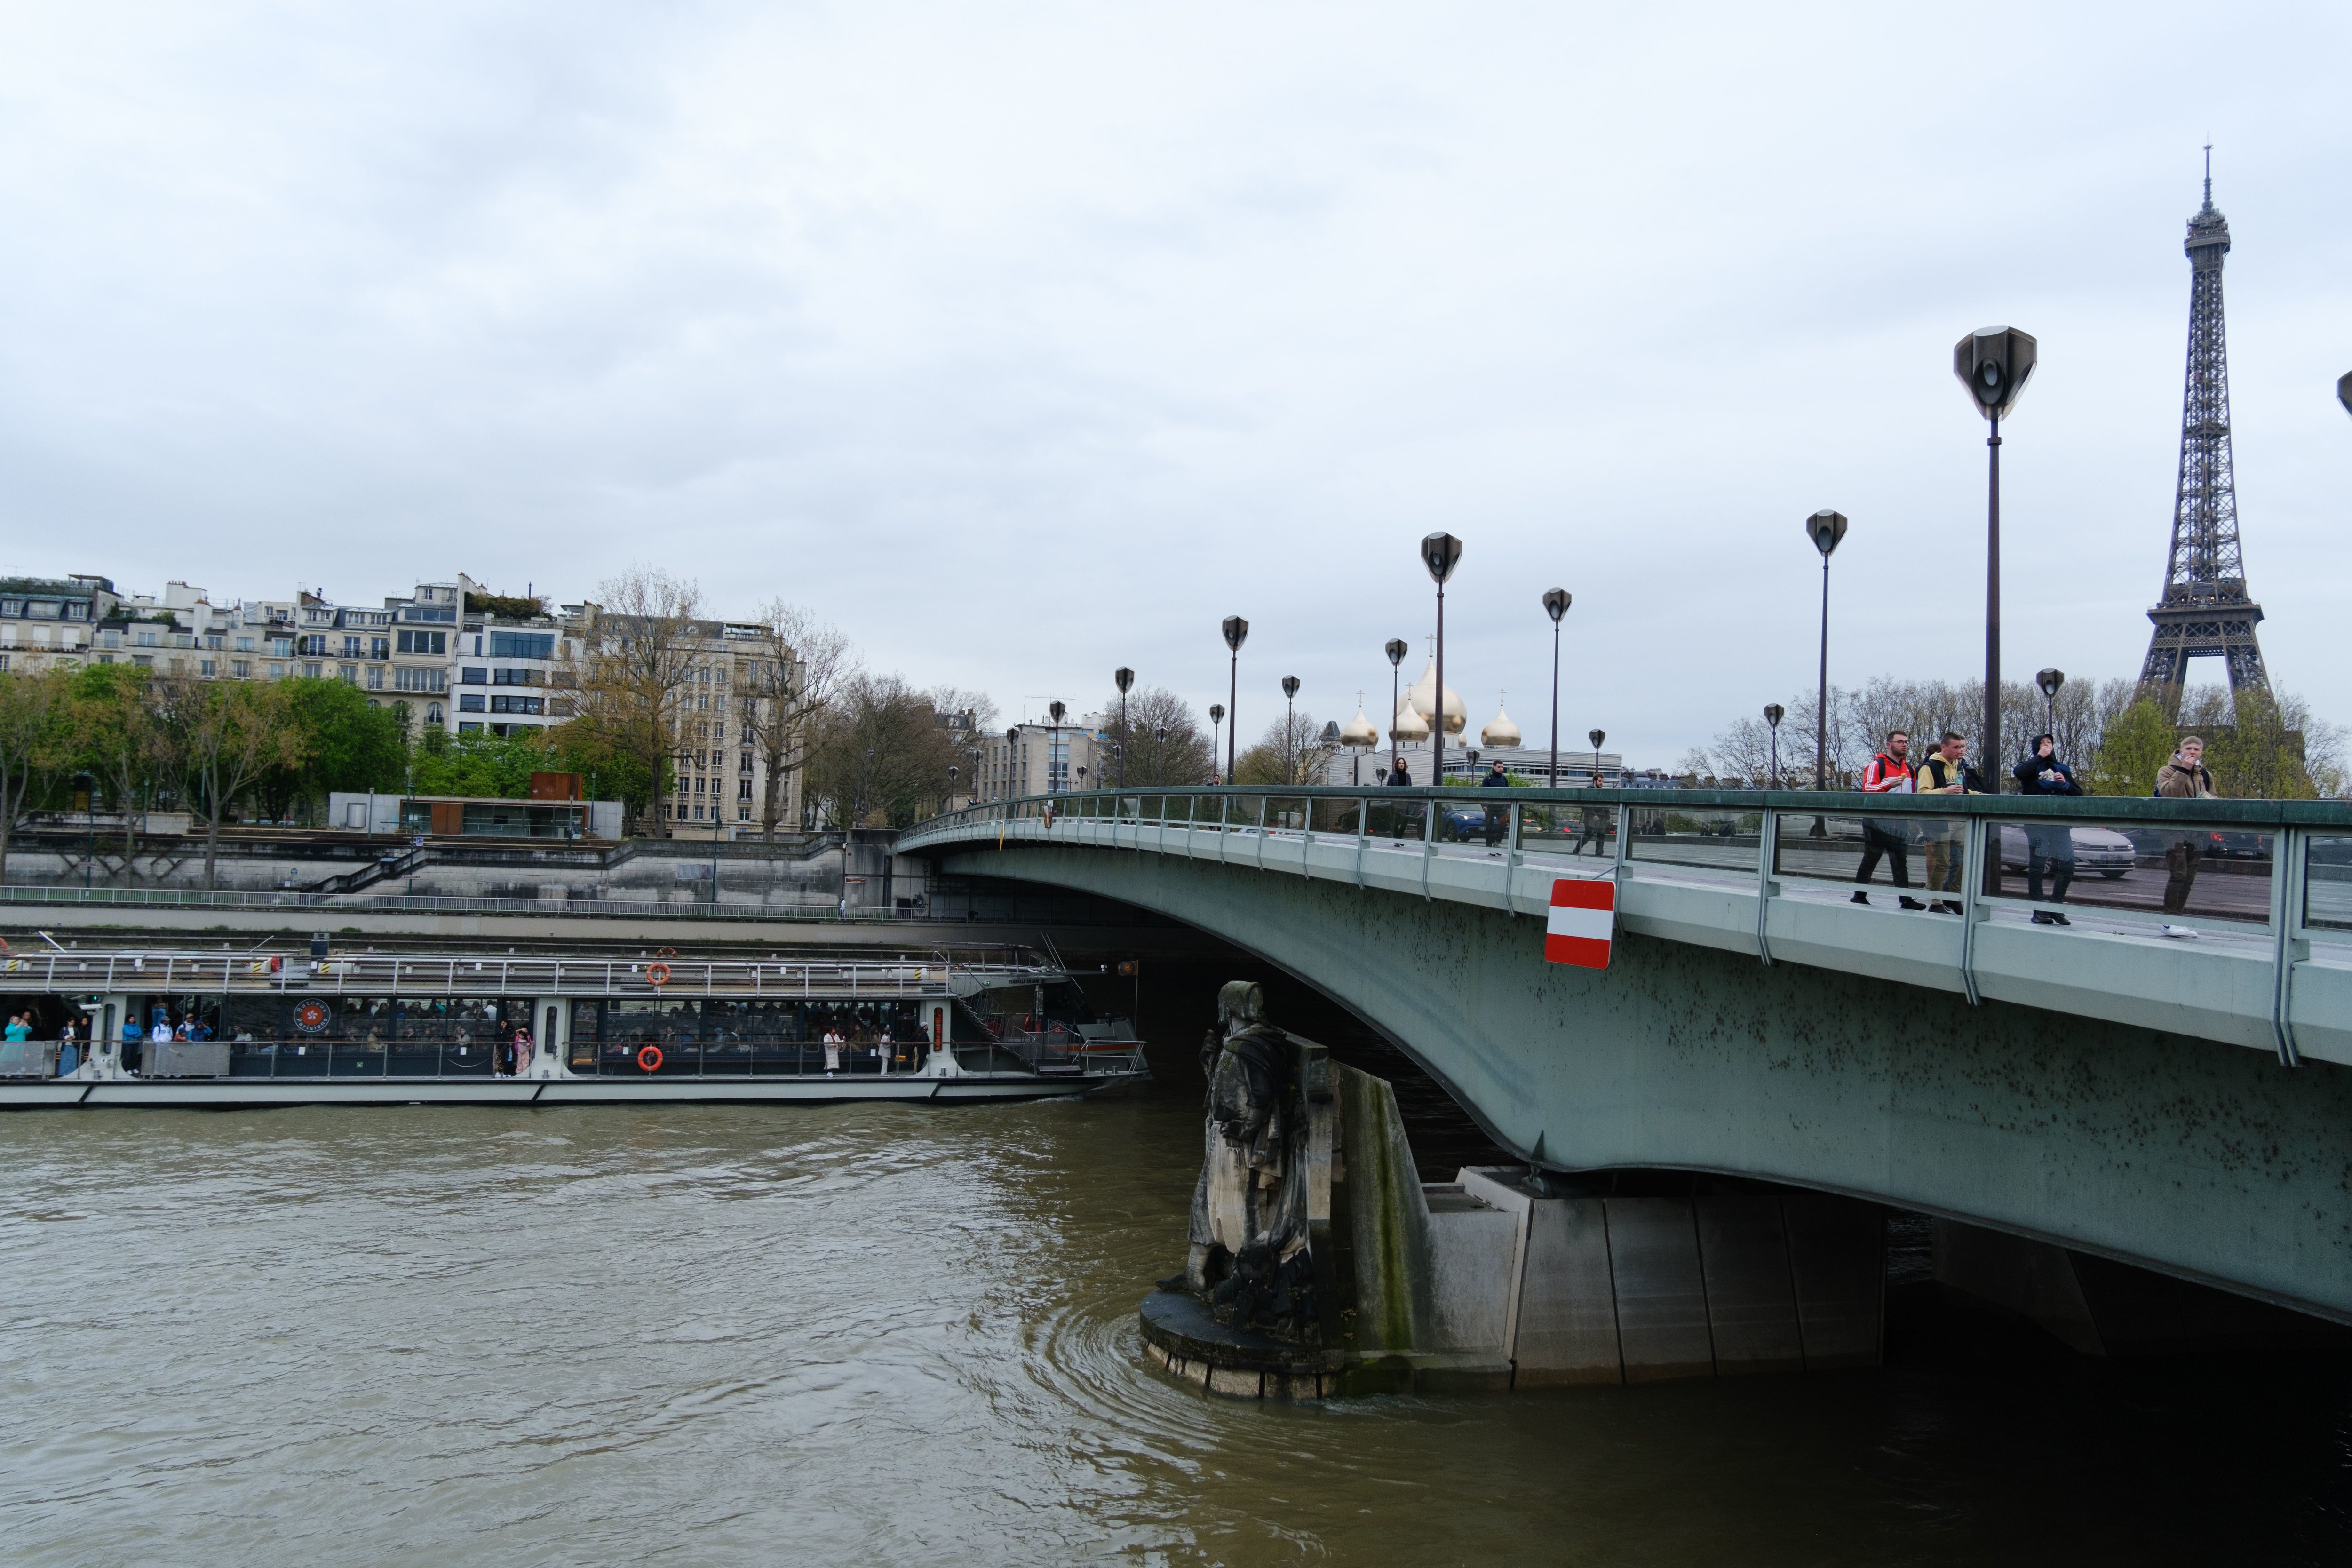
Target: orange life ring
{"x":649,"y":1058}
{"x":657,"y":974}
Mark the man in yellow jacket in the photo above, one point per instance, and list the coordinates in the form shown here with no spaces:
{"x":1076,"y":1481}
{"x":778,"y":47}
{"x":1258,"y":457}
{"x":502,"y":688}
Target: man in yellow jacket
{"x":1945,"y":772}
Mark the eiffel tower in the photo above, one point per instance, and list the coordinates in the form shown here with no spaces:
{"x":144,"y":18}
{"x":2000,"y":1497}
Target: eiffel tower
{"x":2204,"y":610}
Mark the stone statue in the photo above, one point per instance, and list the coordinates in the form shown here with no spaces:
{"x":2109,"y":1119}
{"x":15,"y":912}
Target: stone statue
{"x":1249,"y":1256}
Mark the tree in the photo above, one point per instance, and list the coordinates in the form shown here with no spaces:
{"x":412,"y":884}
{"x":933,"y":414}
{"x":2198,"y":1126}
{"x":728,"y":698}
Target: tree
{"x":489,"y":767}
{"x":793,"y":669}
{"x":1161,"y":740}
{"x":879,"y":747}
{"x":115,"y":739}
{"x":222,"y":737}
{"x":605,"y":774}
{"x":2133,"y":747}
{"x":1291,"y":752}
{"x":32,"y":714}
{"x":505,"y":606}
{"x":347,"y":743}
{"x":631,"y":669}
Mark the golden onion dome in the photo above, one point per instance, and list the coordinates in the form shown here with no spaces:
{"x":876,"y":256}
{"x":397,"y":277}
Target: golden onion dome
{"x":1499,"y":730}
{"x":1408,"y":728}
{"x":1417,"y":697}
{"x":1359,"y":732}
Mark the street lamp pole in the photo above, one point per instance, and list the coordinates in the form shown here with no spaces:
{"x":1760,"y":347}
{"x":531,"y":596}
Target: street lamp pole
{"x":1289,"y":722}
{"x":1237,"y":632}
{"x":1596,"y":737}
{"x":1440,"y":553}
{"x":2050,"y":680}
{"x":1053,"y":744}
{"x":1125,"y":678}
{"x":1396,"y":650}
{"x":1773,"y":713}
{"x":1216,"y":727}
{"x":1994,"y":364}
{"x":1825,"y":529}
{"x":1554,"y":604}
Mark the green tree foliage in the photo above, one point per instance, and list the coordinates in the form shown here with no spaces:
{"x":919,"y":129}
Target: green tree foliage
{"x":878,"y":755}
{"x":349,"y":743}
{"x":492,"y":767}
{"x":1291,"y":752}
{"x":505,"y":606}
{"x":2134,"y":745}
{"x":1162,"y":740}
{"x":33,"y":743}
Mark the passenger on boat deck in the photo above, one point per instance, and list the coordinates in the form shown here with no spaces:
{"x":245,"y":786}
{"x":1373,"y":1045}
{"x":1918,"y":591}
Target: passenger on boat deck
{"x":832,"y":1052}
{"x":18,"y":1028}
{"x":162,"y":1029}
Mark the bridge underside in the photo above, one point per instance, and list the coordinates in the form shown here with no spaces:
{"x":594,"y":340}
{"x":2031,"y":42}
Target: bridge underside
{"x":2204,"y":1161}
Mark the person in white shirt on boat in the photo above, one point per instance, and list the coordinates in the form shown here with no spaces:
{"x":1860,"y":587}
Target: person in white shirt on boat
{"x":832,"y":1052}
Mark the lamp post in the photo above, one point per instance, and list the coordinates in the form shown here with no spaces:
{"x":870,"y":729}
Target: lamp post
{"x":1825,"y":529}
{"x":2050,"y":680}
{"x":1773,"y":713}
{"x":1216,"y":724}
{"x":2344,"y":391}
{"x":1994,"y":364}
{"x":1440,"y":553}
{"x":1289,"y":724}
{"x":1596,"y":737}
{"x":1125,"y":678}
{"x":89,"y":820}
{"x":1052,"y":745}
{"x":1396,"y":650}
{"x":1236,"y":633}
{"x":1554,"y":604}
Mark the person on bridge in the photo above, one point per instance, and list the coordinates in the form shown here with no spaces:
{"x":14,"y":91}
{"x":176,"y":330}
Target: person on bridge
{"x":2183,"y":778}
{"x":1498,"y":817}
{"x":2048,"y":842}
{"x":1947,"y":771}
{"x":1889,"y":772}
{"x":1400,"y":777}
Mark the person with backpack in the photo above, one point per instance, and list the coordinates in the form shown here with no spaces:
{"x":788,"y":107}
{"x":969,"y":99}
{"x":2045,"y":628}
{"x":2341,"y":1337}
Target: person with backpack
{"x":2050,"y":844}
{"x":1889,"y":772}
{"x":1947,"y":771}
{"x":2183,"y":778}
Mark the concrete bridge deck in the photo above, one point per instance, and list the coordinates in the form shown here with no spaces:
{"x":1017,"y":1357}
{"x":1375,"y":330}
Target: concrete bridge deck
{"x":2179,"y":1102}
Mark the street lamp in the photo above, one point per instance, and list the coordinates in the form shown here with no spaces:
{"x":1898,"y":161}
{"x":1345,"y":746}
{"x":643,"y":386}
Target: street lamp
{"x":1825,"y":529}
{"x":1289,"y":720}
{"x":1052,"y":745}
{"x":1396,"y":650}
{"x":1125,"y":678}
{"x":1440,"y":553}
{"x":1236,"y":633}
{"x":1773,"y":713}
{"x":2050,"y":680}
{"x":2344,"y":391}
{"x":1554,"y":604}
{"x":1216,"y":723}
{"x":1994,"y":364}
{"x":1596,"y":737}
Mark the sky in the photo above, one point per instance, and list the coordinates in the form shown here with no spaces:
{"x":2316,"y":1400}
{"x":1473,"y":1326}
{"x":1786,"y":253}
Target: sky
{"x":1026,"y":341}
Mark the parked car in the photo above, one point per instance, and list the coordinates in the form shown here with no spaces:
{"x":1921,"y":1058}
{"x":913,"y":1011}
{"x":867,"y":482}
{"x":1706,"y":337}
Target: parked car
{"x":2220,"y":843}
{"x":2100,"y":850}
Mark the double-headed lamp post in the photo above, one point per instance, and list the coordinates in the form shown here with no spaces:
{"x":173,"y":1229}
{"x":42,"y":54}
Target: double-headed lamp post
{"x":2050,"y":680}
{"x":1123,"y":678}
{"x":1554,"y":604}
{"x":1825,"y":529}
{"x":1236,"y":633}
{"x":1773,"y":714}
{"x":1994,"y":364}
{"x":1441,"y":553}
{"x":1289,"y":724}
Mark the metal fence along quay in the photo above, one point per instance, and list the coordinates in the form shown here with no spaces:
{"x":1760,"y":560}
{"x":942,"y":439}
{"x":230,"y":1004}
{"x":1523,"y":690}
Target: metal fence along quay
{"x":2166,"y":905}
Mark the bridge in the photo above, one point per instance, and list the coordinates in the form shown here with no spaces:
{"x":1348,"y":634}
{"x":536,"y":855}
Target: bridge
{"x":2166,"y":1087}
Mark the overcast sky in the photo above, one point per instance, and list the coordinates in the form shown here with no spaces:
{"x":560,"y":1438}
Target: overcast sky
{"x":1027,"y":341}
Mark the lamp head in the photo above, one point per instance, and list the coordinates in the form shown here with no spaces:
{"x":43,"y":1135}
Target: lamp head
{"x":1596,"y":737}
{"x":1290,"y":686}
{"x":1237,"y":632}
{"x":1124,"y":678}
{"x":1056,"y":710}
{"x":1554,"y":604}
{"x":1774,"y":713}
{"x":2344,"y":391}
{"x":1439,"y":552}
{"x":2050,"y":680}
{"x":1216,"y":712}
{"x":1396,"y":650}
{"x":1825,"y":529}
{"x":1994,"y":364}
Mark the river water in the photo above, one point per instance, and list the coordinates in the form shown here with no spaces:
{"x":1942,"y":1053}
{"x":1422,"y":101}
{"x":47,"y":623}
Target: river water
{"x":869,"y":1334}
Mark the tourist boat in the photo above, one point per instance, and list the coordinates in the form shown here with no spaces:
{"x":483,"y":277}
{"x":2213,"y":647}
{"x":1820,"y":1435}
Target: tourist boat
{"x":389,"y":1029}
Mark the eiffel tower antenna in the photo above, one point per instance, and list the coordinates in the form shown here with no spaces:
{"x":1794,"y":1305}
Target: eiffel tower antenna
{"x":2204,"y":610}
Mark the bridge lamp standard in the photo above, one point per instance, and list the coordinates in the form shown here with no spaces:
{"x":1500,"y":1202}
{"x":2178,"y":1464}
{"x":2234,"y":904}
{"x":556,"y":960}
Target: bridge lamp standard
{"x":1216,"y":724}
{"x":2050,"y":680}
{"x":1123,"y":678}
{"x":1396,"y":650}
{"x":1994,"y":364}
{"x":1554,"y":604}
{"x":1825,"y":529}
{"x":1596,"y":737}
{"x":1052,"y":745}
{"x":1237,"y":632}
{"x":1773,"y":714}
{"x":1441,"y":553}
{"x":1289,"y":728}
{"x":2344,"y":391}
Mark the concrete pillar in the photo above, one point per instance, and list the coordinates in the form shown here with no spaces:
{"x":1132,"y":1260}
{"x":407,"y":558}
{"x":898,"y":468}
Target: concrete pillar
{"x":1567,"y":1301}
{"x":1661,"y":1291}
{"x":1751,"y":1298}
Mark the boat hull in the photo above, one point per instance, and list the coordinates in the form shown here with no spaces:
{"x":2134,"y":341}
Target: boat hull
{"x":253,"y":1094}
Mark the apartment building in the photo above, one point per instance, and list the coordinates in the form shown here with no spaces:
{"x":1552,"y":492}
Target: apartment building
{"x":1042,"y":758}
{"x":51,"y":622}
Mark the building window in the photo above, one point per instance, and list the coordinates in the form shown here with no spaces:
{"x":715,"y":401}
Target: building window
{"x":742,"y":789}
{"x":408,"y":677}
{"x":433,"y":713}
{"x":277,"y":672}
{"x":349,"y":674}
{"x":76,"y":612}
{"x":312,"y":645}
{"x":511,"y":704}
{"x":747,"y":764}
{"x":241,"y":668}
{"x":144,"y":661}
{"x":522,"y":645}
{"x":12,"y":606}
{"x":209,"y":667}
{"x":352,"y":647}
{"x":146,"y":640}
{"x":245,"y":645}
{"x":469,"y":727}
{"x":424,"y":642}
{"x":282,"y":647}
{"x":314,"y":672}
{"x":214,"y":641}
{"x":470,"y":703}
{"x":379,"y":647}
{"x":473,"y":674}
{"x":375,"y":678}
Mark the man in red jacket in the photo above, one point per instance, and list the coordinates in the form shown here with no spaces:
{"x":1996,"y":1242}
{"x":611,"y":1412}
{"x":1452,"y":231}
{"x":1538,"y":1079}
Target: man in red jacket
{"x":1889,"y":772}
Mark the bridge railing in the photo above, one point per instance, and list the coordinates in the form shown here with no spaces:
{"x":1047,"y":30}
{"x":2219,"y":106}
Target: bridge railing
{"x":2264,"y":878}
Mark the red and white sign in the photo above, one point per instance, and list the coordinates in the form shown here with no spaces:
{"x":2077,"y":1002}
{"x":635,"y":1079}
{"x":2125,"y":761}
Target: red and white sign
{"x":1583,"y":918}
